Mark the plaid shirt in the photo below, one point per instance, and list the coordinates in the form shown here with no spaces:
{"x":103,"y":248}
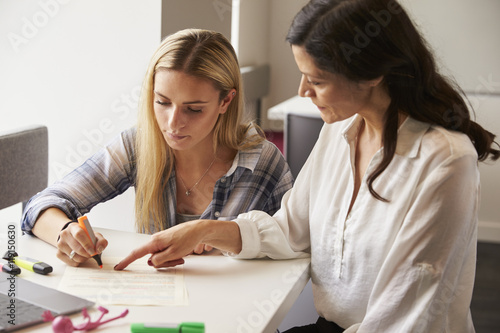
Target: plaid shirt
{"x":257,"y":180}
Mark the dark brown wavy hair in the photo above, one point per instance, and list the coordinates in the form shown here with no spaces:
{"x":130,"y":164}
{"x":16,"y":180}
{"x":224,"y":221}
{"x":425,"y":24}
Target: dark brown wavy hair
{"x":367,"y":39}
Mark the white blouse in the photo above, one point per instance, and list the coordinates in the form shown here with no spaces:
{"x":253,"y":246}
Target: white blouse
{"x":403,"y":266}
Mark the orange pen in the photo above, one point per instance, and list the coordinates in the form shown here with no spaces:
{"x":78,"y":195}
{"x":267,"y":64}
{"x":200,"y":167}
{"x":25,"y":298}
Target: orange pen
{"x":84,"y":223}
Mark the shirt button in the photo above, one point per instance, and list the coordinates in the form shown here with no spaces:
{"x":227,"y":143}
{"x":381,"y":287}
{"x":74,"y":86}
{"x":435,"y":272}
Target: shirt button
{"x":217,"y":214}
{"x":223,"y":180}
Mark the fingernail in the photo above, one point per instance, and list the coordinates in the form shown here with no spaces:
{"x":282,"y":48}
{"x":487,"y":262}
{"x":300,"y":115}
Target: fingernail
{"x":150,"y":262}
{"x":115,"y":267}
{"x":100,"y":249}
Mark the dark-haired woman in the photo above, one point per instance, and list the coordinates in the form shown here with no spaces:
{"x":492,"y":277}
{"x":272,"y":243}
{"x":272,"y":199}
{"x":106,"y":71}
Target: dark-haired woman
{"x":387,"y":202}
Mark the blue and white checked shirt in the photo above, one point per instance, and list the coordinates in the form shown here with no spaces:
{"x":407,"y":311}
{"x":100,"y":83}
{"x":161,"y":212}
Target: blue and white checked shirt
{"x":257,"y":180}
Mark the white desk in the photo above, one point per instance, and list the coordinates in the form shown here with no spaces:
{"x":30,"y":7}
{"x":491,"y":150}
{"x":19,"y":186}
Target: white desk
{"x":297,"y":105}
{"x":228,"y":295}
{"x":302,"y":124}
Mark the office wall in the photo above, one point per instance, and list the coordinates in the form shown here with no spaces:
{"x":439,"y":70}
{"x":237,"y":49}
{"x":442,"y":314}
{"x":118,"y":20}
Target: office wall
{"x":464,"y":37}
{"x":180,"y":14}
{"x":253,"y":17}
{"x":262,"y":30}
{"x":284,"y":73}
{"x":76,"y":67}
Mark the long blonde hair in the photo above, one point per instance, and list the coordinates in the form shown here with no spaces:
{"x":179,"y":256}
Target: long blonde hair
{"x":201,"y":53}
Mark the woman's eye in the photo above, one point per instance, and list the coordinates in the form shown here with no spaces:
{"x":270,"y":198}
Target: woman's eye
{"x":314,"y":83}
{"x":162,"y":103}
{"x":194,"y":110}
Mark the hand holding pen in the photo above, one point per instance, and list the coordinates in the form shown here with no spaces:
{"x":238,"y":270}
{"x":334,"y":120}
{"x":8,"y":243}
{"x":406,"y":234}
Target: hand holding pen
{"x":77,"y":243}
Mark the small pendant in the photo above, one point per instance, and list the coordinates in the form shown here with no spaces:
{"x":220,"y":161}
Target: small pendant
{"x":188,"y":193}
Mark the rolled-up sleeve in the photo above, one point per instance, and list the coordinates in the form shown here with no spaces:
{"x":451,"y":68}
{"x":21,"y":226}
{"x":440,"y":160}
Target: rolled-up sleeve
{"x":108,"y":173}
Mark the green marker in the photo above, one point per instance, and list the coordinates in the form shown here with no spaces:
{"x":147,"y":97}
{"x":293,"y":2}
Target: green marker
{"x":188,"y":327}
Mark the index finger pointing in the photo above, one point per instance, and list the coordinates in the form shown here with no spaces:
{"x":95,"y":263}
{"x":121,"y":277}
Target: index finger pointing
{"x":133,"y":256}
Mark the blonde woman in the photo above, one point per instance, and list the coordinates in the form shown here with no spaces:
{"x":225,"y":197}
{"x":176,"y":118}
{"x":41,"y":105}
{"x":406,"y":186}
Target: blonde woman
{"x":189,"y":157}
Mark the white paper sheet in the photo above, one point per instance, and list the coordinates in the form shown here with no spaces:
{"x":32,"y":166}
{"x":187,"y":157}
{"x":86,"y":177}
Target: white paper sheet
{"x":139,"y":284}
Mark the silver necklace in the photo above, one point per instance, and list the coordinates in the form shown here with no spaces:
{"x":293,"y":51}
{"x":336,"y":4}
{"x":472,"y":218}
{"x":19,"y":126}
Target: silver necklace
{"x":188,"y":191}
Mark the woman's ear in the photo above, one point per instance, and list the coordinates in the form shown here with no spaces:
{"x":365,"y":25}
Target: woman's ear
{"x":375,"y":82}
{"x":370,"y":84}
{"x":227,"y":100}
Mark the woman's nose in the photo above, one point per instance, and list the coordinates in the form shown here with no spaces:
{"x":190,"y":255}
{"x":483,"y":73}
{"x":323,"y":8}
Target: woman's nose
{"x":304,"y":89}
{"x":176,"y":118}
